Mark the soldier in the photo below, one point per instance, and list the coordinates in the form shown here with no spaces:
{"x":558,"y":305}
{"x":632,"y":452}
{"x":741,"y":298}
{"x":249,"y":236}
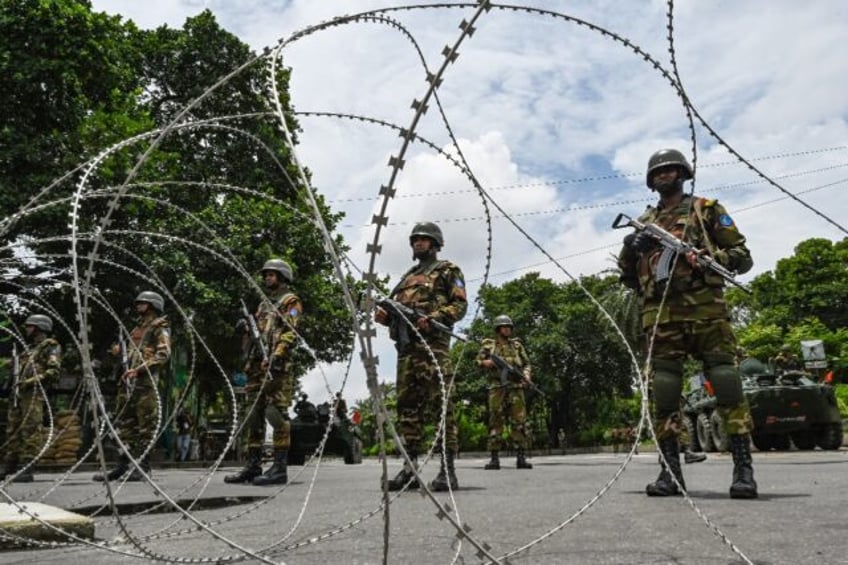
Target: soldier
{"x":506,"y":399}
{"x":147,"y":352}
{"x":436,"y":290}
{"x":785,"y":361}
{"x":694,"y":318}
{"x":272,"y":379}
{"x":38,"y":364}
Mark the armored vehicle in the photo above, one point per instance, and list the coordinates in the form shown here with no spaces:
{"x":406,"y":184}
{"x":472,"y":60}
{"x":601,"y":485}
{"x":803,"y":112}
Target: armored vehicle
{"x":789,"y":408}
{"x":309,"y":426}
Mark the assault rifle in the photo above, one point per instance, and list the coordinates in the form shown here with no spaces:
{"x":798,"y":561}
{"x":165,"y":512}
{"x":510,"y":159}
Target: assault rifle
{"x":16,"y":375}
{"x":673,"y":248}
{"x":511,"y":374}
{"x":399,"y":326}
{"x":255,"y":337}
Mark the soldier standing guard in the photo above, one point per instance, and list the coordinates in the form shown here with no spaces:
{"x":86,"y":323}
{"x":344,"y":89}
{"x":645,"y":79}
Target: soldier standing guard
{"x":694,"y":318}
{"x":435,"y":289}
{"x":38,"y":364}
{"x":270,"y":375}
{"x":506,"y":398}
{"x":147,"y":353}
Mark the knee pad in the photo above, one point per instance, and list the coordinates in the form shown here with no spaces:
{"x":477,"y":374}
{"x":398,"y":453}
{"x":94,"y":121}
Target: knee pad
{"x":276,"y":417}
{"x":726,"y":384}
{"x":667,"y":385}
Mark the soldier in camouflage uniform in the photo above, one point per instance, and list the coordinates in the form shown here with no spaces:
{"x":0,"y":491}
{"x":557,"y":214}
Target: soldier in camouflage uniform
{"x":506,"y":399}
{"x":785,"y":361}
{"x":148,"y":351}
{"x":435,"y":288}
{"x":277,"y":318}
{"x":38,"y":364}
{"x":694,"y":318}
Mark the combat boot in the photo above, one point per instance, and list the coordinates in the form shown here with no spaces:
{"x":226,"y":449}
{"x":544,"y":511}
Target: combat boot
{"x":664,"y":485}
{"x":277,"y":474}
{"x":252,"y":468}
{"x":405,"y":475}
{"x":115,"y":472}
{"x":690,"y":456}
{"x":494,"y":463}
{"x":521,"y":460}
{"x":743,"y":485}
{"x":447,"y":474}
{"x":136,"y":475}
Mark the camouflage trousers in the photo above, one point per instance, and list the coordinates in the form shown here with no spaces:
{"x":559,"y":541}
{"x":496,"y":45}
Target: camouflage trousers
{"x":420,"y":399}
{"x":273,"y":403}
{"x":713,"y":343}
{"x":507,"y":402}
{"x":138,"y":416}
{"x":23,"y":428}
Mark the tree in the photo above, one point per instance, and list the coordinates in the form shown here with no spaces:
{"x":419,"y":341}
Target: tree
{"x":806,"y":297}
{"x":210,"y":197}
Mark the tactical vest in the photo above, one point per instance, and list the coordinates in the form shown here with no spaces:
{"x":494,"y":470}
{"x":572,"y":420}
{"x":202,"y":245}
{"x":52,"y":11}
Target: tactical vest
{"x":145,"y":339}
{"x":425,"y":291}
{"x":35,"y":362}
{"x":693,"y":294}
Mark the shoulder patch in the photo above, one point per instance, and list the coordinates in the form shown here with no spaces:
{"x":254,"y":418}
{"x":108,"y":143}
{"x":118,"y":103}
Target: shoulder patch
{"x":725,"y":220}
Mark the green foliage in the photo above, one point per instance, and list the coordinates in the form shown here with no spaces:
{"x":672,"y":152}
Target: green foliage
{"x":75,"y":82}
{"x":841,"y":391}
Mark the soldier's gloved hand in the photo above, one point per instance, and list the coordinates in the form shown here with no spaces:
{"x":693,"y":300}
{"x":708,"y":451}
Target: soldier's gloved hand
{"x":487,"y":363}
{"x":641,"y":242}
{"x":381,"y":316}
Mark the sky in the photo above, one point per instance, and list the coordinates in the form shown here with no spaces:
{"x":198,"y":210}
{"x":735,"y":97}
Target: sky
{"x":557,"y":122}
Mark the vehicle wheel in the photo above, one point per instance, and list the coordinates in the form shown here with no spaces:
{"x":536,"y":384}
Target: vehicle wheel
{"x":780,"y":442}
{"x":830,"y":437}
{"x":720,"y":440}
{"x":296,"y":458}
{"x":353,"y":454}
{"x":763,"y":442}
{"x":704,"y":433}
{"x":804,"y":440}
{"x":692,"y":432}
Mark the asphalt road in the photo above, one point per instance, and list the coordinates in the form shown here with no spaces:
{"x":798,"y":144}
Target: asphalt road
{"x":334,"y":516}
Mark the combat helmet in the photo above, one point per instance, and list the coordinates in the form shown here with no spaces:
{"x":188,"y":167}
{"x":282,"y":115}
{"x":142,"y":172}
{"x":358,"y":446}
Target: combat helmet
{"x":502,"y":320}
{"x":428,"y":229}
{"x":153,"y":298}
{"x":40,"y":321}
{"x":665,"y":158}
{"x":279,"y":266}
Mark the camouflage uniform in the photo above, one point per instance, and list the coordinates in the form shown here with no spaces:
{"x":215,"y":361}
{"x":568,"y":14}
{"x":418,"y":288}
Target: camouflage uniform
{"x":437,"y":290}
{"x":785,"y":361}
{"x":694,"y":319}
{"x":506,"y":398}
{"x":149,"y":350}
{"x":23,"y":428}
{"x":277,"y":319}
{"x":691,"y":317}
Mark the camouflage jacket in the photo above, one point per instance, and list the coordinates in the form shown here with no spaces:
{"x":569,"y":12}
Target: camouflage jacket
{"x":512,"y":351}
{"x":437,"y":290}
{"x":150,"y":346}
{"x":41,"y":363}
{"x":277,"y":320}
{"x":695,"y":294}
